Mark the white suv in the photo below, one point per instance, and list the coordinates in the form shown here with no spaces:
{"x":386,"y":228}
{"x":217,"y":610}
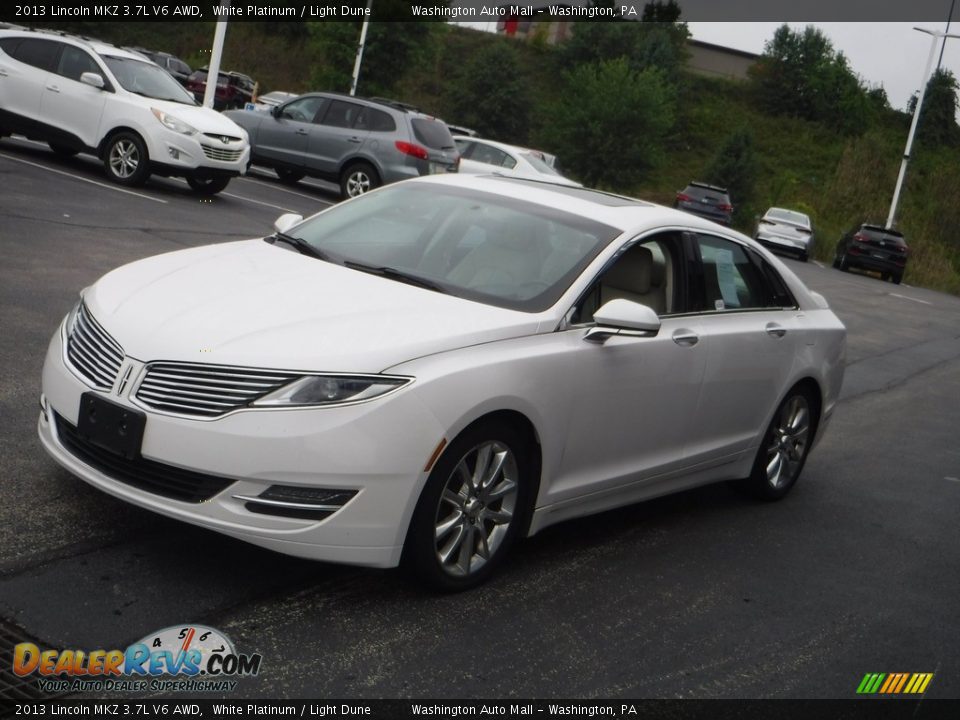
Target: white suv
{"x":81,"y":95}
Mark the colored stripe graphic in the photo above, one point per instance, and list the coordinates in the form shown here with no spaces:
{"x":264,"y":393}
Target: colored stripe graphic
{"x":894,"y":683}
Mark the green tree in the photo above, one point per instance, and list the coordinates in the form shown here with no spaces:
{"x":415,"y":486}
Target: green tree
{"x":491,"y":94}
{"x":734,"y":166}
{"x":801,"y":75}
{"x":938,"y":117}
{"x":608,"y":126}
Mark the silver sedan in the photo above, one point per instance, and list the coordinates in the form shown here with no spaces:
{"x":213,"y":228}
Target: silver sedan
{"x":786,"y":231}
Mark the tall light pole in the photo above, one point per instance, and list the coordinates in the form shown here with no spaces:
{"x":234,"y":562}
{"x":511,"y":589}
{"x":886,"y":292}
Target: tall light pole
{"x":213,"y":69}
{"x":935,"y":35}
{"x":363,"y":40}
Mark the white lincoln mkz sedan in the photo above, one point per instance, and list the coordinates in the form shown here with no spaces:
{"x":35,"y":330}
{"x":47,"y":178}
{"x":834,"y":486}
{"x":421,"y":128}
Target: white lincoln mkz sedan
{"x":429,"y":372}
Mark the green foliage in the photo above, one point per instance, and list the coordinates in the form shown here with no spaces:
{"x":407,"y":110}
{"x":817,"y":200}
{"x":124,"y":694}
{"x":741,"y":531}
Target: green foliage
{"x":643,"y":45}
{"x":336,"y":42}
{"x":938,"y":117}
{"x":800,"y":74}
{"x":609,"y":123}
{"x":490,"y":94}
{"x":734,"y":166}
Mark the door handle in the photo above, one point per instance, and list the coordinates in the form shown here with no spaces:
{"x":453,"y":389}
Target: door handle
{"x":355,"y":139}
{"x":301,"y":131}
{"x":3,"y":73}
{"x":685,"y":338}
{"x":774,"y":330}
{"x":53,"y":88}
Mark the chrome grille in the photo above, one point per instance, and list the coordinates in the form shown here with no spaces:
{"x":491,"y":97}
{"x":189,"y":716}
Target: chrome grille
{"x":223,"y":154}
{"x":206,"y":390}
{"x":92,"y":352}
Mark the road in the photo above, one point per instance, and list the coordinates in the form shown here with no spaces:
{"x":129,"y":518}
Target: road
{"x":703,"y":594}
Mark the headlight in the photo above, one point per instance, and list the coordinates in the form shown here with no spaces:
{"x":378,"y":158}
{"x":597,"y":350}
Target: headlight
{"x":332,"y":390}
{"x":173,"y":123}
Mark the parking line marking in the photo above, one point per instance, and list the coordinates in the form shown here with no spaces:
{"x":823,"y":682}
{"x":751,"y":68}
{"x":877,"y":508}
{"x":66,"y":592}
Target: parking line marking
{"x":272,"y":186}
{"x":904,"y":297}
{"x":79,"y":177}
{"x":818,"y":263}
{"x":259,"y":202}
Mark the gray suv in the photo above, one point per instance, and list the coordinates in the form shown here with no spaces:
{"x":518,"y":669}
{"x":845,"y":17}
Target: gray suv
{"x":359,"y":144}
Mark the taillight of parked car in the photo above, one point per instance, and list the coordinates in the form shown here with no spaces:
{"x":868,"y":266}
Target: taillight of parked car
{"x":412,"y":149}
{"x":681,"y":197}
{"x":725,"y":208}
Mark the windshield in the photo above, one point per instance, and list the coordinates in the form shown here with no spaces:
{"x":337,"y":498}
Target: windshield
{"x":475,"y":245}
{"x":146,"y":79}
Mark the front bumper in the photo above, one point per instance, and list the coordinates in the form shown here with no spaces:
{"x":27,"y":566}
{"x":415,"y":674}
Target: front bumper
{"x":173,"y":153}
{"x":378,"y":449}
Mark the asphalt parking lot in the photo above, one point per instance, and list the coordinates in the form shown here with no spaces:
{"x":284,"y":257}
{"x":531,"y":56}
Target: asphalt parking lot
{"x":704,"y":594}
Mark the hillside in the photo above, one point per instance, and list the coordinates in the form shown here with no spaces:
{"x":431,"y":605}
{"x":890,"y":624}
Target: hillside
{"x":838,"y":180}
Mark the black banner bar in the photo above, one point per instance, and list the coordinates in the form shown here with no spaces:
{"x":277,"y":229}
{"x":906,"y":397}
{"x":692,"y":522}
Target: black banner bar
{"x":873,"y":708}
{"x":480,"y":11}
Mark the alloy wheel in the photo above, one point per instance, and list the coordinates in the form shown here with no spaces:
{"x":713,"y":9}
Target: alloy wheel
{"x":358,"y":183}
{"x":124,"y":158}
{"x":788,"y":441}
{"x":476,"y":508}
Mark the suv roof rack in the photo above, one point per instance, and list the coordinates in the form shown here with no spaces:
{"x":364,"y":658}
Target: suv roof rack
{"x":397,"y":104}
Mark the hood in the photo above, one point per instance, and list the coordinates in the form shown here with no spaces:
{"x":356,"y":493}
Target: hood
{"x":204,"y":119}
{"x":255,"y":304}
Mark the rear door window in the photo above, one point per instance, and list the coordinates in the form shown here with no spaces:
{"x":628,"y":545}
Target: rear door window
{"x":731,"y":279}
{"x":342,"y":114}
{"x":38,"y":53}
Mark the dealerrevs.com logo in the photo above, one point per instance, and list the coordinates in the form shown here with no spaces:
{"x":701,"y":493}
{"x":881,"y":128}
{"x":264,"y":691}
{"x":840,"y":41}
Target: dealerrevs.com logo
{"x":185,"y":658}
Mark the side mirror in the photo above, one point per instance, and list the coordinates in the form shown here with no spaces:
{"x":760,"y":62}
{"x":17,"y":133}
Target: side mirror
{"x":624,"y":318}
{"x":276,"y":110}
{"x":93,"y":79}
{"x":286,"y":221}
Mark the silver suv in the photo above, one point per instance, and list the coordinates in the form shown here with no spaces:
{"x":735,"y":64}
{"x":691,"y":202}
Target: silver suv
{"x":359,"y":144}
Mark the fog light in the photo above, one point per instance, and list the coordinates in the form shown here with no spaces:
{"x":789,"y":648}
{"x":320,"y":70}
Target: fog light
{"x":297,"y":501}
{"x":43,"y":407}
{"x":174,"y":153}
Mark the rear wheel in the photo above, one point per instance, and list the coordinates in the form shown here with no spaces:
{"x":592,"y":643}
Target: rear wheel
{"x":290,"y":177}
{"x":358,"y":179}
{"x":125,"y":159}
{"x":785,"y":446}
{"x":472,"y":509}
{"x":804,"y":257}
{"x":897,"y":277}
{"x":208,"y":185}
{"x":836,"y":261}
{"x":64,"y":150}
{"x":844,"y":264}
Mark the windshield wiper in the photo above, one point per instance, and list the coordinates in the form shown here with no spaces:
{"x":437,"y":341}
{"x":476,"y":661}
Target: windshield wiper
{"x":299,"y":244}
{"x":398,"y":275}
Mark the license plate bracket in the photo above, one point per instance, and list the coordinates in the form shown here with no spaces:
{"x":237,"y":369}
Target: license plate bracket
{"x":112,"y":427}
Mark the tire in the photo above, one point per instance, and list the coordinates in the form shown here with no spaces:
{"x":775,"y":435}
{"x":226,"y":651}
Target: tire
{"x":804,"y":257}
{"x":897,"y":278}
{"x":844,"y":264}
{"x":836,"y":262}
{"x":63,"y":150}
{"x":785,"y":446}
{"x":208,"y":185}
{"x":358,"y":179}
{"x":476,"y":523}
{"x":885,"y":276}
{"x":126,"y":160}
{"x":290,"y":177}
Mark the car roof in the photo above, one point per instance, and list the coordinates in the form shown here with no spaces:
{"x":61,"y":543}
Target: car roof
{"x":98,"y":46}
{"x":707,"y":186}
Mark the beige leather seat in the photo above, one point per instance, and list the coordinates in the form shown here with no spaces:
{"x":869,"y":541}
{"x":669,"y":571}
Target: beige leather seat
{"x":631,"y":278}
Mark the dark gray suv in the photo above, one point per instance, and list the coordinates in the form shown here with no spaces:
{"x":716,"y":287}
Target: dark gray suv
{"x":707,"y":201}
{"x":359,"y":144}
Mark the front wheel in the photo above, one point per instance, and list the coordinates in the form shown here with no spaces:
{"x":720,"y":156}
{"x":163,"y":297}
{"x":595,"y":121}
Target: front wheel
{"x":473,"y":507}
{"x":844,"y":264}
{"x":208,"y":185}
{"x":358,"y":179}
{"x":784,"y":448}
{"x":125,"y":159}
